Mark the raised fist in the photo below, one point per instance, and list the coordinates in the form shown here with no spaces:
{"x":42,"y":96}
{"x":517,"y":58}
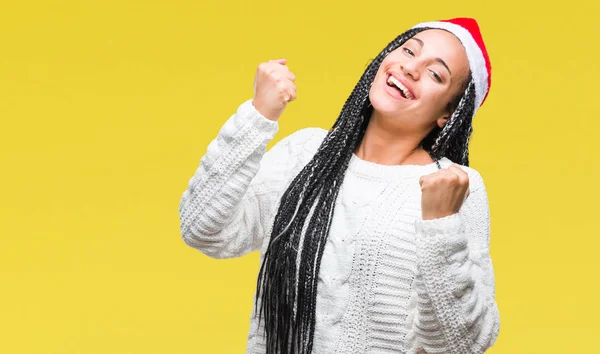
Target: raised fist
{"x":273,"y":88}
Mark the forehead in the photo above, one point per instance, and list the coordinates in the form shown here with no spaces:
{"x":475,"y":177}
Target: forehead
{"x":445,"y":45}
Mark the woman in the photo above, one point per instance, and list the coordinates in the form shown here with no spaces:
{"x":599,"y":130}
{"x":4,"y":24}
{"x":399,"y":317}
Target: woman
{"x":374,"y":235}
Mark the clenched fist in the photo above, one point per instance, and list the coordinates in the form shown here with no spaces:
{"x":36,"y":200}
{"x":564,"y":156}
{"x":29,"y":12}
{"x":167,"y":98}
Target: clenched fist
{"x":443,"y":192}
{"x":273,"y":88}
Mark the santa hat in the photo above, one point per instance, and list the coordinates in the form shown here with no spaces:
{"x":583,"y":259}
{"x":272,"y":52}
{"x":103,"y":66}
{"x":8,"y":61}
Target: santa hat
{"x":467,"y":31}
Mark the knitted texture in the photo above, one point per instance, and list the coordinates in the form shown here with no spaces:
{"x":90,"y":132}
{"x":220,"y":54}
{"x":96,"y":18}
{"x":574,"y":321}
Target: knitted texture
{"x":389,"y":281}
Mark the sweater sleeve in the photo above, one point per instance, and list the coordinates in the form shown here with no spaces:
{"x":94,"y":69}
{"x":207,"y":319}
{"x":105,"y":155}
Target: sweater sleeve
{"x":454,"y":310}
{"x":225,"y":211}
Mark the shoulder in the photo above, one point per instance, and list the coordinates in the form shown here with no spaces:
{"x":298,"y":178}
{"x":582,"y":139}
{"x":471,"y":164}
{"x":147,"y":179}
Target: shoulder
{"x":302,"y":141}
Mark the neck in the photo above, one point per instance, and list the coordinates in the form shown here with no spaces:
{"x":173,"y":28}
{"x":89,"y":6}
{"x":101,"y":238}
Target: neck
{"x":386,"y":145}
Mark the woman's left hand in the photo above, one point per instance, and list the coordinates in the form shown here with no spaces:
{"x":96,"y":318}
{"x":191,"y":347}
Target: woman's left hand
{"x":443,"y":192}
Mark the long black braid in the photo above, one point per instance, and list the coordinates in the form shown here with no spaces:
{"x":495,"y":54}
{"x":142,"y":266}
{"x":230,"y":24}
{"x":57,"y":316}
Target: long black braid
{"x":287,"y":293}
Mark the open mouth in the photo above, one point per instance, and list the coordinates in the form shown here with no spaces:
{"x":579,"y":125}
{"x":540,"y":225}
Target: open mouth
{"x":401,"y":89}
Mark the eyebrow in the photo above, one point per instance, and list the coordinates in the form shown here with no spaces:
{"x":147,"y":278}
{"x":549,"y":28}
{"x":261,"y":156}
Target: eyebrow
{"x":438,"y":59}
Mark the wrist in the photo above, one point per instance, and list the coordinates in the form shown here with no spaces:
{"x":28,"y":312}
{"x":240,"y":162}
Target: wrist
{"x":435,"y":215}
{"x":259,"y":108}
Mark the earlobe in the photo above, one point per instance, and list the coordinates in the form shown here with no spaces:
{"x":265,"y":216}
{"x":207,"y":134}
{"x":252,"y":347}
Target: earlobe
{"x":442,"y":121}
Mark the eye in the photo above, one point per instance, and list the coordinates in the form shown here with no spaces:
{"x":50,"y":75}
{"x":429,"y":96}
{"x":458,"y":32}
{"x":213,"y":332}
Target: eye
{"x":437,"y":77}
{"x":409,"y":51}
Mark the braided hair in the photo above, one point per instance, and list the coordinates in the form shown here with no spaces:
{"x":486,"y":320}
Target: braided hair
{"x":287,"y":281}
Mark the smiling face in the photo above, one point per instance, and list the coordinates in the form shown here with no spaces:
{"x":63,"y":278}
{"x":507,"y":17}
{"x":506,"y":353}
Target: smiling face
{"x":430,"y":68}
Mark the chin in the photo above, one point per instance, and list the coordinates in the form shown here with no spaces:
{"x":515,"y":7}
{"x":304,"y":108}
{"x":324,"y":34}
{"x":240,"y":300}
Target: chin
{"x":384,"y":104}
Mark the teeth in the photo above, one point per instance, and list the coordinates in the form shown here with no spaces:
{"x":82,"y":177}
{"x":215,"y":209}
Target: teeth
{"x":399,"y":85}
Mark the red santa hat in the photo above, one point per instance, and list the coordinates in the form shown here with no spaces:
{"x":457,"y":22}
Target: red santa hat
{"x":467,"y":31}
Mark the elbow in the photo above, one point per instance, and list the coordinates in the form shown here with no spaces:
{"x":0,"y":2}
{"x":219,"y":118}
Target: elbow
{"x":195,"y":235}
{"x":213,"y":235}
{"x":202,"y":244}
{"x":487,"y":328}
{"x":495,"y":324}
{"x":206,"y":243}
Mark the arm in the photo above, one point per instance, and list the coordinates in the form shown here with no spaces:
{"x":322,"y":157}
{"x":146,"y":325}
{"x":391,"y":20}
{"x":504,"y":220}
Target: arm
{"x":455,"y":310}
{"x":224,"y":210}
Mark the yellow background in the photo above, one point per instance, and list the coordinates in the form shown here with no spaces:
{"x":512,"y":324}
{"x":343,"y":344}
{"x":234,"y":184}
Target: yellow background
{"x":108,"y":106}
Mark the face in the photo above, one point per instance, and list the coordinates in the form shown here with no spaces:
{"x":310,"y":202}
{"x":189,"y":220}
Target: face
{"x":433,"y":66}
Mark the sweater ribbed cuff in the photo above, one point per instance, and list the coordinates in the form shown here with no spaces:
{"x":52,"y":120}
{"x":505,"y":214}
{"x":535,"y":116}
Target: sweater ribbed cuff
{"x":247,"y":111}
{"x":447,"y":224}
{"x":441,"y":238}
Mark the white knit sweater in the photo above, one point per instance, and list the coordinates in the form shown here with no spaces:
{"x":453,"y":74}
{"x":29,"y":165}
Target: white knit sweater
{"x":389,"y":281}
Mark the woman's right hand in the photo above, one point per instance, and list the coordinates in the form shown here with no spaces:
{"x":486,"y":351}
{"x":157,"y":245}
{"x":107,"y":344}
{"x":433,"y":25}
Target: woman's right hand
{"x":273,"y":88}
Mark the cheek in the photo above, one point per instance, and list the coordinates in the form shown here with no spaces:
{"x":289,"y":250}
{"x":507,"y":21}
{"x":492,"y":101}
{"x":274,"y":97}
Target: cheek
{"x":391,"y":60}
{"x":436,"y":95}
{"x":381,"y":72}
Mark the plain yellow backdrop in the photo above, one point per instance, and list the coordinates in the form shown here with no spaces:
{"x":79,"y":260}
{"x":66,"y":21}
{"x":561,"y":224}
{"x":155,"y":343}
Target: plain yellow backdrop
{"x":108,"y":106}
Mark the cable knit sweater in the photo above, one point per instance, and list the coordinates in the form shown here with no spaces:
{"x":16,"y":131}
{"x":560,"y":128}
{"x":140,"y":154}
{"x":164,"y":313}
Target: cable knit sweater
{"x":389,"y":281}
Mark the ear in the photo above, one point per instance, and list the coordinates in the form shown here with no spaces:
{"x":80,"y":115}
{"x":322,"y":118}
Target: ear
{"x":441,"y":121}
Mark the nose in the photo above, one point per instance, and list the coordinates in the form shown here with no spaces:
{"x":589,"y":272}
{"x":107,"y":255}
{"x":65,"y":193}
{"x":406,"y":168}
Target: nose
{"x":411,"y":68}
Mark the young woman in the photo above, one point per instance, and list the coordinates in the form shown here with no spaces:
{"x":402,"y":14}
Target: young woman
{"x":374,"y":235}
